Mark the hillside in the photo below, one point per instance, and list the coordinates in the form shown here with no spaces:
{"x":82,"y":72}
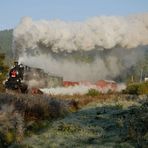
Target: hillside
{"x":6,"y":42}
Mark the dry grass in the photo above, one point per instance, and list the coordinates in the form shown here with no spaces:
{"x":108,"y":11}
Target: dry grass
{"x":83,"y":100}
{"x":38,"y":106}
{"x":19,"y":112}
{"x":110,"y":123}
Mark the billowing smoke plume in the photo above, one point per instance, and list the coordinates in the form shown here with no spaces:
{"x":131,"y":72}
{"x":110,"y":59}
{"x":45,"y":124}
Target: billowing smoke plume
{"x":106,"y":32}
{"x":49,"y":44}
{"x":97,"y":66}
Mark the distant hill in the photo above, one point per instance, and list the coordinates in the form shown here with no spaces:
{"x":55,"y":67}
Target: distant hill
{"x":6,"y":42}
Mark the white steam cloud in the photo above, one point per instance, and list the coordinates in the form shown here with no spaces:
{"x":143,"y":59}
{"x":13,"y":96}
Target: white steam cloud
{"x":79,"y":89}
{"x":107,"y":67}
{"x":36,"y":43}
{"x":104,"y":31}
{"x":74,"y":71}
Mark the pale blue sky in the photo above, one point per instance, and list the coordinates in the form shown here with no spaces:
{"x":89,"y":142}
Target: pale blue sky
{"x":11,"y":11}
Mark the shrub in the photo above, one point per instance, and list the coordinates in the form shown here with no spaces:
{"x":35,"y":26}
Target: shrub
{"x":92,"y":92}
{"x":11,"y":125}
{"x":137,"y":88}
{"x":3,"y":71}
{"x":143,"y":88}
{"x":19,"y":113}
{"x":68,"y":127}
{"x":132,"y":89}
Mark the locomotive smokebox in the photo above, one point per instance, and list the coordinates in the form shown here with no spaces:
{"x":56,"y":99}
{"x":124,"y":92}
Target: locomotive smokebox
{"x":15,"y":79}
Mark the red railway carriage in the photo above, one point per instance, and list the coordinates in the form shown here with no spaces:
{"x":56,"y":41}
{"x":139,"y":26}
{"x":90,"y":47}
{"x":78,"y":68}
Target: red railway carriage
{"x":70,"y":83}
{"x":106,"y":84}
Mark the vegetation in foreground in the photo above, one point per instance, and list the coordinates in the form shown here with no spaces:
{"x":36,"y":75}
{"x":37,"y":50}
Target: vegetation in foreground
{"x":111,"y":120}
{"x":107,"y":125}
{"x":22,"y":114}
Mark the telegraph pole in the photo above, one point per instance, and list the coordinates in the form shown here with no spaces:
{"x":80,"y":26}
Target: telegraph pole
{"x":141,"y":75}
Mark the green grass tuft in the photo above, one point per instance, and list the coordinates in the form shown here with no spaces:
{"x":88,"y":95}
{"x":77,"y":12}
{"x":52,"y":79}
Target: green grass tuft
{"x":92,"y":92}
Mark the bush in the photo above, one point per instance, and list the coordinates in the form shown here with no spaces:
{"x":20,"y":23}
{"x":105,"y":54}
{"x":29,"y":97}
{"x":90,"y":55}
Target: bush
{"x":11,"y":125}
{"x":68,"y":127}
{"x":132,"y":89}
{"x":143,"y":88}
{"x":23,"y":114}
{"x":92,"y":92}
{"x":137,"y":88}
{"x":3,"y":71}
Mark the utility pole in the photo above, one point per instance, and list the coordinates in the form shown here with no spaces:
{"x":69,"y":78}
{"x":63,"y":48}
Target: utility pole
{"x":141,"y":75}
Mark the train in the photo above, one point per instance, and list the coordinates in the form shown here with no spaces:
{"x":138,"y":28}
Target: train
{"x":22,"y":78}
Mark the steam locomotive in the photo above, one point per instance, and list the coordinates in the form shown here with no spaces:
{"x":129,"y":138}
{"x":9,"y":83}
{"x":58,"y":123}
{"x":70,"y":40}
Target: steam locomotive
{"x":15,"y":79}
{"x":23,"y":78}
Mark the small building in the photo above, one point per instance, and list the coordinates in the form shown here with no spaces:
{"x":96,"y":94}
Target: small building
{"x":146,"y":79}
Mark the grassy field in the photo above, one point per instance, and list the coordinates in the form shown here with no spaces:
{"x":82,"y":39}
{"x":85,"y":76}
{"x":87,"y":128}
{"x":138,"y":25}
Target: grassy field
{"x":101,"y":121}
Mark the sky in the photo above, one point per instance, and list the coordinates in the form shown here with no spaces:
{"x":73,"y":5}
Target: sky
{"x":11,"y":11}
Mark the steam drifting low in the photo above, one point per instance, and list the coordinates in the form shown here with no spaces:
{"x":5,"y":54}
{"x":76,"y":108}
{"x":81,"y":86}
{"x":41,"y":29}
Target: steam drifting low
{"x":111,"y":37}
